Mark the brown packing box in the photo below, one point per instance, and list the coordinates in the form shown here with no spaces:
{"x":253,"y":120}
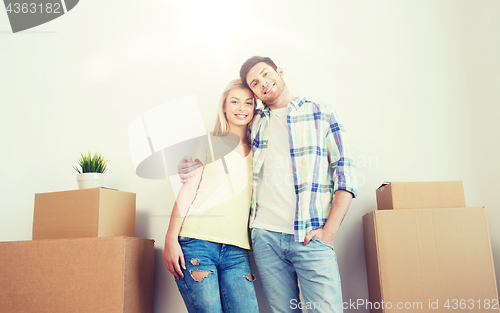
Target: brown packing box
{"x":113,"y":274}
{"x":420,"y":195}
{"x":429,"y":256}
{"x":94,"y":212}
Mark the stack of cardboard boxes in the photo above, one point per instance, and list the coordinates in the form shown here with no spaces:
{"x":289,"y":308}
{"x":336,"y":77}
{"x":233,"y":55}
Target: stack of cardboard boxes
{"x":84,"y":257}
{"x":427,"y":252}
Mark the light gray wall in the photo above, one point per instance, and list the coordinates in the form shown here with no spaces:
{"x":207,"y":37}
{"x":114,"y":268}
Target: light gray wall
{"x":416,"y":84}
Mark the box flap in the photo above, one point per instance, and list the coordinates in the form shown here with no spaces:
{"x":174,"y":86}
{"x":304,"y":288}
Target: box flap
{"x":420,"y":195}
{"x":384,"y":184}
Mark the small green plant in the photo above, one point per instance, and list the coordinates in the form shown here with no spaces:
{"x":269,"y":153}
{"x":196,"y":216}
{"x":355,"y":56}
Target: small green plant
{"x":91,"y":163}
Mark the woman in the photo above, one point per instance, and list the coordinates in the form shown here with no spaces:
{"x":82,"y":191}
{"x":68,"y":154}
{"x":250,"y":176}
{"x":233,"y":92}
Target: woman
{"x":207,"y":239}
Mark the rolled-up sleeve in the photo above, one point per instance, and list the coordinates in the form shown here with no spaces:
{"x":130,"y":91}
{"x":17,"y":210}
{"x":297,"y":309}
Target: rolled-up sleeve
{"x":340,"y":158}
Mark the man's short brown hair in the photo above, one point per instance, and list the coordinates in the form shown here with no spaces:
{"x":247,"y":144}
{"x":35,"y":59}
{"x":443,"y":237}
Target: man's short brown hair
{"x":247,"y":66}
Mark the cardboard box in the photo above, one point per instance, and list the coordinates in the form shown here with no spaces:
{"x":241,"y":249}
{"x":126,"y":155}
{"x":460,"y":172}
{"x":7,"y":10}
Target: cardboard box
{"x":420,"y":195}
{"x":95,"y":212}
{"x":429,"y":257}
{"x":113,"y":274}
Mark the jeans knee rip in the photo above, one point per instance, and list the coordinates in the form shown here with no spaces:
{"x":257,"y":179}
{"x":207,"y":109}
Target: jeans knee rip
{"x":199,"y":275}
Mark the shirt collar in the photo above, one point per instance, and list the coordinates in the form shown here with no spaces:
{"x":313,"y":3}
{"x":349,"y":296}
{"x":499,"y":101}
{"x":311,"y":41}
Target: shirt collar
{"x":297,"y":102}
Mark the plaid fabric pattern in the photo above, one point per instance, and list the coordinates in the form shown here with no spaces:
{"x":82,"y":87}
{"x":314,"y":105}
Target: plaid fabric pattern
{"x":320,"y":159}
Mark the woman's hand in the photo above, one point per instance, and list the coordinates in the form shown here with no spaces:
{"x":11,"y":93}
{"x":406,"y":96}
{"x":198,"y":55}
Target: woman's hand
{"x":173,"y":256}
{"x":186,"y":168}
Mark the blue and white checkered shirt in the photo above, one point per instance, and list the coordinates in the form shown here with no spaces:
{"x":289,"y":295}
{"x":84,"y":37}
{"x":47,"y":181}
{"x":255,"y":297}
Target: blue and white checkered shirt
{"x":320,"y":159}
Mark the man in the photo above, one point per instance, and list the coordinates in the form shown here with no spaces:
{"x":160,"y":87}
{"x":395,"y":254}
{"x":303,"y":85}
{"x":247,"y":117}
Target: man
{"x":303,"y":184}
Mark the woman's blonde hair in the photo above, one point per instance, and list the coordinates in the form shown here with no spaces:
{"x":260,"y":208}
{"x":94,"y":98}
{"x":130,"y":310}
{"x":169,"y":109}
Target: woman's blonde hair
{"x":221,"y":125}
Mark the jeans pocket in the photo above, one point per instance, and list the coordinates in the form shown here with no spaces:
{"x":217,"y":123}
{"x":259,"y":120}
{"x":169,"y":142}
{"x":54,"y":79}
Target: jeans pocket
{"x":184,"y":240}
{"x":253,"y":235}
{"x":315,"y":239}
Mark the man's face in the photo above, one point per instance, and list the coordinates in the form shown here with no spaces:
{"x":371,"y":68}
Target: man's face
{"x":266,"y":83}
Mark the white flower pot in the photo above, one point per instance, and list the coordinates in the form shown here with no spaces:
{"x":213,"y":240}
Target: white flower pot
{"x":90,"y":180}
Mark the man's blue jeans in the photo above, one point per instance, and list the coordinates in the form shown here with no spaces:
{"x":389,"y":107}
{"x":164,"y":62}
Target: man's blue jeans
{"x":217,"y":277}
{"x":281,"y":262}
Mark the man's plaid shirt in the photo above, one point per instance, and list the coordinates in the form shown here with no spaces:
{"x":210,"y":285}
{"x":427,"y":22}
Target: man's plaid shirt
{"x":320,"y":159}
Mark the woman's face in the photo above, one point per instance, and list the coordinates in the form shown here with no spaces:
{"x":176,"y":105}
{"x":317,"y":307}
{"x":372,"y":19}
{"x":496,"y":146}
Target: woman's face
{"x":239,"y":107}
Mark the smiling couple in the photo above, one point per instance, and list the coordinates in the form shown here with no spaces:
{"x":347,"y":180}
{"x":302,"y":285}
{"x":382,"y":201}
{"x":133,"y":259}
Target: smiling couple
{"x":293,"y":222}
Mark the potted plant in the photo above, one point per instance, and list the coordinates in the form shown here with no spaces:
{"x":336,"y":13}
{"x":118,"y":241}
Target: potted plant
{"x":91,"y":170}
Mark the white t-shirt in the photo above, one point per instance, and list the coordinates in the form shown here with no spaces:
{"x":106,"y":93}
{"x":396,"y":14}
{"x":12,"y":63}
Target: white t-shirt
{"x":276,"y":199}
